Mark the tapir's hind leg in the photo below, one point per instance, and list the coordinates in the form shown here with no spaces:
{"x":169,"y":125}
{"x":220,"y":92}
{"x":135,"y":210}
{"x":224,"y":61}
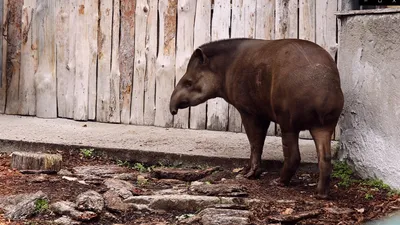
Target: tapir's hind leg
{"x":322,"y":138}
{"x":291,"y":153}
{"x":256,"y":131}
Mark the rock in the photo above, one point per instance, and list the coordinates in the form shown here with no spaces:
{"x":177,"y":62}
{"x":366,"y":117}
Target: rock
{"x":40,"y":179}
{"x":114,"y":202}
{"x":182,"y":174}
{"x":196,"y":183}
{"x":68,"y":209}
{"x":99,"y":171}
{"x":31,"y":162}
{"x":111,"y":217}
{"x":125,"y":176}
{"x":336,"y":210}
{"x":219,"y":190}
{"x":21,"y":206}
{"x":224,"y":217}
{"x":65,"y":220}
{"x":91,"y":201}
{"x":294,"y":217}
{"x":64,"y":172}
{"x":121,"y":187}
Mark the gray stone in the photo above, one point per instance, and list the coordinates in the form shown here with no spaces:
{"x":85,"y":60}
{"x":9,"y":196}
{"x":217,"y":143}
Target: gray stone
{"x":20,"y":206}
{"x":64,"y":172}
{"x":336,"y":210}
{"x":68,"y":209}
{"x":91,"y":201}
{"x":65,"y":220}
{"x":219,"y":190}
{"x":121,"y":187}
{"x":224,"y":217}
{"x":125,"y":176}
{"x":100,"y":170}
{"x":114,"y":202}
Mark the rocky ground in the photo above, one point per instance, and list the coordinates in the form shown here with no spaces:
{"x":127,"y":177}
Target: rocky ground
{"x":94,"y":190}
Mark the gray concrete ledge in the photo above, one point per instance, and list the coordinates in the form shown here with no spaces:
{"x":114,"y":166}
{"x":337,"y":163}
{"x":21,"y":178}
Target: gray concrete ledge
{"x":140,"y":143}
{"x":367,"y":12}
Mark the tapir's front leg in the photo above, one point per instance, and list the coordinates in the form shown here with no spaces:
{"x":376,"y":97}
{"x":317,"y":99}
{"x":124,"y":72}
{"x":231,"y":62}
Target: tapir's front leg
{"x":256,"y":130}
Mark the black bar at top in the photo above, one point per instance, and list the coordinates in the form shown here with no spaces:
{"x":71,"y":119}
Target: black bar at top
{"x":379,"y":2}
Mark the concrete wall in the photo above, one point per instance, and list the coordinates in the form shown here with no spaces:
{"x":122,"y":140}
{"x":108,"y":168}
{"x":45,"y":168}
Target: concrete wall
{"x":369,"y":64}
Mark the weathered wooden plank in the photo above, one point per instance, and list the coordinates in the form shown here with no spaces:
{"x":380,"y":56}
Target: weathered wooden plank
{"x":115,"y":112}
{"x":66,"y":63}
{"x":140,"y":63}
{"x":45,"y":77}
{"x":243,"y":25}
{"x":326,"y":25}
{"x":82,"y":57}
{"x":126,"y":56}
{"x":92,"y":17}
{"x":286,"y":21}
{"x":307,"y":32}
{"x":307,"y":19}
{"x":3,"y":44}
{"x":29,"y":61}
{"x":14,"y":38}
{"x":184,"y":49}
{"x":104,"y":62}
{"x":265,"y":29}
{"x":165,"y":62}
{"x":217,"y":110}
{"x":202,"y":23}
{"x":265,"y":19}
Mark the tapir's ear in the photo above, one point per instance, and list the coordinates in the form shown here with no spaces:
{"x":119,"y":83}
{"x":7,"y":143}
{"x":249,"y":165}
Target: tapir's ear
{"x":201,"y":56}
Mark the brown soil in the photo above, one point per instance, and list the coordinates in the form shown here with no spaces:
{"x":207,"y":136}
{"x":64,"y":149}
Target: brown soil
{"x":301,"y":191}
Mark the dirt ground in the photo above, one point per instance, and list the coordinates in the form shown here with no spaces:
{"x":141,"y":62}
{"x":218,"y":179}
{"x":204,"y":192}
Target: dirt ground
{"x":366,"y":202}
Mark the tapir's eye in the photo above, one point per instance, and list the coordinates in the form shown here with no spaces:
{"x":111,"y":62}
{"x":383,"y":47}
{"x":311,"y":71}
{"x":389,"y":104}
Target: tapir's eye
{"x":188,"y":83}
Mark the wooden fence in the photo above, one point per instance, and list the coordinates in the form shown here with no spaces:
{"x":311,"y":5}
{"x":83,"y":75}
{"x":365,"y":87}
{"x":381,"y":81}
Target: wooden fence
{"x":117,"y":61}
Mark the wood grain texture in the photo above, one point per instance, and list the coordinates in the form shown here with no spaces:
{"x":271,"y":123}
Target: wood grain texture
{"x":45,"y":77}
{"x":265,"y":29}
{"x":184,"y":48}
{"x":326,"y":25}
{"x":92,"y":17}
{"x":66,"y":31}
{"x":104,"y":62}
{"x":151,"y":56}
{"x":286,"y":21}
{"x":217,"y":110}
{"x":140,"y":63}
{"x":29,"y":61}
{"x":198,"y":114}
{"x":114,"y":104}
{"x":3,"y":42}
{"x":126,"y":56}
{"x":165,"y":62}
{"x":14,"y":38}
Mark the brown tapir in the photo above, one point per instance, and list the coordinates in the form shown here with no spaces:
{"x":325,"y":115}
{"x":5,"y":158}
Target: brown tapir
{"x":294,"y":83}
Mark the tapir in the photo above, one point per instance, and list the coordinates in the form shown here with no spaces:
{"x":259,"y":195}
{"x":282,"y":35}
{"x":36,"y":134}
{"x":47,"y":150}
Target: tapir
{"x":292,"y":82}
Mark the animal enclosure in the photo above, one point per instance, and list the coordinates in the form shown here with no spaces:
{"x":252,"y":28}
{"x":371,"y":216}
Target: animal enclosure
{"x":117,"y":61}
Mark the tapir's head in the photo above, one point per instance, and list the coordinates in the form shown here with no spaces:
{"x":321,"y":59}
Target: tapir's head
{"x":199,"y":83}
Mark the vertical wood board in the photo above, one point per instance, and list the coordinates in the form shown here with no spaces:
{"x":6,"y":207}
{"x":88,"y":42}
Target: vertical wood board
{"x":126,"y":57}
{"x":92,"y":17}
{"x":3,"y":87}
{"x":286,"y":21}
{"x":217,"y":110}
{"x":184,"y":48}
{"x":29,"y":61}
{"x":151,"y":57}
{"x":165,"y":62}
{"x":140,"y":64}
{"x":202,"y":23}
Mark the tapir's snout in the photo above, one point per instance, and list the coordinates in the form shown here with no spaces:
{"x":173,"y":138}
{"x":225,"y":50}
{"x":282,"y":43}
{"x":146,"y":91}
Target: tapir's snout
{"x":173,"y":106}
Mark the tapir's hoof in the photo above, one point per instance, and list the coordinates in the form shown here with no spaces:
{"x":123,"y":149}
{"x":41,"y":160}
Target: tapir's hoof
{"x":253,"y":174}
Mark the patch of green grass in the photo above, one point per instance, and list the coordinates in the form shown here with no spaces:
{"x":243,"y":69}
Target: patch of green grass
{"x":344,"y":173}
{"x":87,"y":152}
{"x":124,"y":163}
{"x":41,"y":205}
{"x":369,"y":196}
{"x":142,"y":168}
